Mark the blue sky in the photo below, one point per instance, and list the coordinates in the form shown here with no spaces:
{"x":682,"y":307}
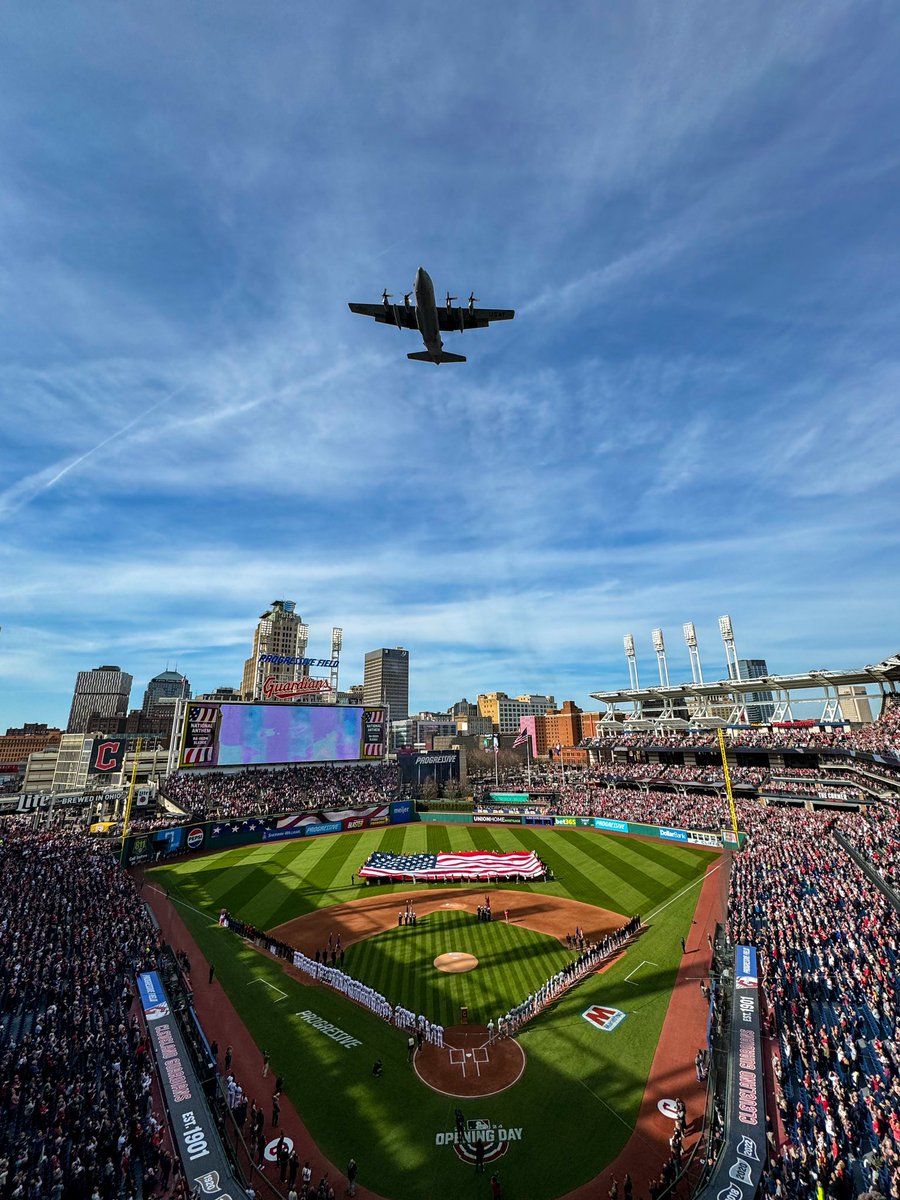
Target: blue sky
{"x":693,"y":209}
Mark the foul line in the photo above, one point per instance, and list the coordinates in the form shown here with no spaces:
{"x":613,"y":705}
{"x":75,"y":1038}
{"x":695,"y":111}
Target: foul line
{"x":177,"y":900}
{"x":259,"y":979}
{"x":644,"y":963}
{"x":672,"y":899}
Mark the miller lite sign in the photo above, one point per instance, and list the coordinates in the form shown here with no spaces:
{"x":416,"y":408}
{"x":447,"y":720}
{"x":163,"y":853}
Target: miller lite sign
{"x":107,"y":755}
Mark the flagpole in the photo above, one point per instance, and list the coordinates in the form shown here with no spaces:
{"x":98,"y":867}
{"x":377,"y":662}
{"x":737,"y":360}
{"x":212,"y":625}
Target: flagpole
{"x":528,"y":758}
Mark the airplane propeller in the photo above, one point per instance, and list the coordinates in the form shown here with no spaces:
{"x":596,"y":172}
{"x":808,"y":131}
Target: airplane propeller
{"x":473,"y":300}
{"x":386,"y":295}
{"x":450,"y":300}
{"x":406,"y":298}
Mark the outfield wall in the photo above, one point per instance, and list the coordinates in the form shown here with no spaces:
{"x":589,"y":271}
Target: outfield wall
{"x":665,"y":833}
{"x":199,"y":837}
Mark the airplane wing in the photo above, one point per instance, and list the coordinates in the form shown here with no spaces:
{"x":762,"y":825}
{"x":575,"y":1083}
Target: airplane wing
{"x":458,"y":319}
{"x":392,"y":314}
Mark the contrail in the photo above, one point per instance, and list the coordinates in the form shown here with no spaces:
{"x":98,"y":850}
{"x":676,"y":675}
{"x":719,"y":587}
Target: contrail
{"x":22,"y":493}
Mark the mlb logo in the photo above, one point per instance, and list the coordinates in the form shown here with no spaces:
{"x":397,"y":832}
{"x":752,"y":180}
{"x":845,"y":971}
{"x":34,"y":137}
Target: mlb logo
{"x":606,"y":1019}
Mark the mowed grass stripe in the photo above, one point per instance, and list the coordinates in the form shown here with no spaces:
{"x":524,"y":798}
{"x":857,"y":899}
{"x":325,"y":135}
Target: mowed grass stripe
{"x":680,"y":859}
{"x":636,"y":881}
{"x":438,"y":839}
{"x":277,"y":900}
{"x":266,"y":862}
{"x":580,"y":883}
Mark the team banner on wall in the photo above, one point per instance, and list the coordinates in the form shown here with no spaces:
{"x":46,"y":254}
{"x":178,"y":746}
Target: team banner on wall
{"x":243,"y":735}
{"x":743,"y":1155}
{"x":107,"y":756}
{"x":193,"y":1130}
{"x":222,"y":835}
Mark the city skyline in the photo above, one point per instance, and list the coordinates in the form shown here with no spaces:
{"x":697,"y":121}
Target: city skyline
{"x":692,"y":210}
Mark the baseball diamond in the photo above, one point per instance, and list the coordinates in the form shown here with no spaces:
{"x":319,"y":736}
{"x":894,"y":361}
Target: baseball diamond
{"x":570,"y":1077}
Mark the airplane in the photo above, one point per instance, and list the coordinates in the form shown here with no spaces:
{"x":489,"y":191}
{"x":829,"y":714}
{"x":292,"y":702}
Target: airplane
{"x":431,"y":320}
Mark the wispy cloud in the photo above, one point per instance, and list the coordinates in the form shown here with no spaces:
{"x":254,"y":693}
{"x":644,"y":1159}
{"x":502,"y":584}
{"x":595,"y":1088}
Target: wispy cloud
{"x":692,"y":210}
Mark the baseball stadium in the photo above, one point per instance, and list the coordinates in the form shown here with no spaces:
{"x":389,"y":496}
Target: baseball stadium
{"x":660,"y":962}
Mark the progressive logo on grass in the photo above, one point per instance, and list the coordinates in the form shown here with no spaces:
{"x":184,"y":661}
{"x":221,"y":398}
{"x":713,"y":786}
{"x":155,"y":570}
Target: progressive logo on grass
{"x":603,"y":1018}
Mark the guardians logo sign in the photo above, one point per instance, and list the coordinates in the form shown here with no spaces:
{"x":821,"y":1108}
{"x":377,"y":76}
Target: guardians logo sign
{"x":495,"y":1138}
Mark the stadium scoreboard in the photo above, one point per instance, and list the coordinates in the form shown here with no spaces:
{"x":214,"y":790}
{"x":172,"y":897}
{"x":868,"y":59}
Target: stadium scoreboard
{"x":243,"y":735}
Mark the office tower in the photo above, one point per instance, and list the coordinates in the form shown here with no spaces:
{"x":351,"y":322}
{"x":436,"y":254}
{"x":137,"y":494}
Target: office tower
{"x":100,"y":701}
{"x":168,"y":685}
{"x":386,"y":681}
{"x":280,"y":632}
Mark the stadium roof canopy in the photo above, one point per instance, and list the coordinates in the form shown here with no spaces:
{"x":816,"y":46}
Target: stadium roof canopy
{"x":725,"y":702}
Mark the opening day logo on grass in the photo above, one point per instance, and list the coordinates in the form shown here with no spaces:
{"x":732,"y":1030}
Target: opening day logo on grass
{"x":604,"y":1018}
{"x":496,"y":1139}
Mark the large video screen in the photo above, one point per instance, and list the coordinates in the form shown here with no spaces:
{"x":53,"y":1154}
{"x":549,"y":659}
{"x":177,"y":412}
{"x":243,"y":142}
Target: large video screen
{"x":240,"y":735}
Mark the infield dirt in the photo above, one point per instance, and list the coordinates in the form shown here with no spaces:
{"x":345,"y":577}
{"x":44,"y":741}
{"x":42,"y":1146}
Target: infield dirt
{"x":361,"y":919}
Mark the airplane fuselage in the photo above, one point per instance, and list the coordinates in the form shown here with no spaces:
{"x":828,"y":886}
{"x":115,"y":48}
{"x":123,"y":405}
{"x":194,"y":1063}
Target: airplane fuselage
{"x":426,"y":312}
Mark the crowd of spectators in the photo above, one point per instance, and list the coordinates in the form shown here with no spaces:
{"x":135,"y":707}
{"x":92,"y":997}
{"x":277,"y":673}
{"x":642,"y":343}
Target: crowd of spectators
{"x":829,"y":952}
{"x":876,"y":835}
{"x":789,"y":787}
{"x":700,"y":811}
{"x":215,"y":794}
{"x":878,"y":737}
{"x":77,"y":1113}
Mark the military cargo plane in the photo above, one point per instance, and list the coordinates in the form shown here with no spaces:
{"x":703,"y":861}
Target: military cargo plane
{"x":430,"y":319}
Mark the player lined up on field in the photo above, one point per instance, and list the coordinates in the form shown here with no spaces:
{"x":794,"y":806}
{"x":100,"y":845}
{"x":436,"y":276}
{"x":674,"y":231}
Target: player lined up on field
{"x":511,"y":1022}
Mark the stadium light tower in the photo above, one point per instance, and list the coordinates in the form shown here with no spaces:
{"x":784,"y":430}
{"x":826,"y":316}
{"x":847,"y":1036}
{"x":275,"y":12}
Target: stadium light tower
{"x":690,"y":637}
{"x":337,"y":640}
{"x":659,"y":646}
{"x":727,"y":632}
{"x":633,"y":682}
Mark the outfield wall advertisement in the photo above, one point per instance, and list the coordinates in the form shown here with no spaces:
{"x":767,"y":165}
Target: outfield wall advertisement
{"x":241,"y":735}
{"x":692,"y":837}
{"x":739,"y":1169}
{"x":223,"y":835}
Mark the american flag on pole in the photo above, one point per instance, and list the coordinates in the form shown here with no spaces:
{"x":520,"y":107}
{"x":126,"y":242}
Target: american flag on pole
{"x":521,"y":739}
{"x":468,"y":864}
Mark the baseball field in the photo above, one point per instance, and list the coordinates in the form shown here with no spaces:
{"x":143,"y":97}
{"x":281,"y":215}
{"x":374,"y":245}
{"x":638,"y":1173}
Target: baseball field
{"x":576,"y":1102}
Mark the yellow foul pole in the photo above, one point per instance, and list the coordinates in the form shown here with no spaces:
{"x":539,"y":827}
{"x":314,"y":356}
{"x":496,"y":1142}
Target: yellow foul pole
{"x":134,"y":771}
{"x":734,"y":822}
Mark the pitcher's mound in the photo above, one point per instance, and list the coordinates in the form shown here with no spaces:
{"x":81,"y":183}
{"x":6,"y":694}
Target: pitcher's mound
{"x":456,"y":962}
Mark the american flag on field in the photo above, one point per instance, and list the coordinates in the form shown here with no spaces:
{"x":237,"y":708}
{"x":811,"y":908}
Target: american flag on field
{"x":468,"y":864}
{"x":522,"y":739}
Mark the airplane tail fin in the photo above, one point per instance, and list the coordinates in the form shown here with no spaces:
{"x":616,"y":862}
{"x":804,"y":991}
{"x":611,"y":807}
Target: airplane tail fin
{"x":443,"y":357}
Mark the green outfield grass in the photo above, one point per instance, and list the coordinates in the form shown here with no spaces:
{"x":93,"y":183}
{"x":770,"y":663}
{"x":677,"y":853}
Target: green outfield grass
{"x":512,"y":962}
{"x":579,"y":1096}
